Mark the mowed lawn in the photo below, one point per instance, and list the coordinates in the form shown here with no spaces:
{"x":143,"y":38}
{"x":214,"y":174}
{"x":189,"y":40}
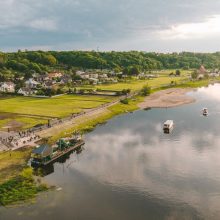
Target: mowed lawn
{"x":31,"y":111}
{"x":136,"y":85}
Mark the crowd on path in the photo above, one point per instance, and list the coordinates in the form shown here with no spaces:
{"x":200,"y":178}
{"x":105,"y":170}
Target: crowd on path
{"x":29,"y":137}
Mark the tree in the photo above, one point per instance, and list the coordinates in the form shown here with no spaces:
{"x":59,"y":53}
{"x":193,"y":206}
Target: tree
{"x":134,"y":71}
{"x":124,"y":101}
{"x":194,"y":74}
{"x":178,"y":72}
{"x":146,"y":90}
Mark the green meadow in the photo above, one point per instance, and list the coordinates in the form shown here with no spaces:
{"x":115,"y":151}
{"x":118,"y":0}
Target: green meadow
{"x":135,"y":84}
{"x":30,"y":111}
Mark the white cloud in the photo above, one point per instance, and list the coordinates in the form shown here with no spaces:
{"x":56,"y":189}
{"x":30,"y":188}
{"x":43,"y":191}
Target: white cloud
{"x":43,"y":24}
{"x":209,"y":28}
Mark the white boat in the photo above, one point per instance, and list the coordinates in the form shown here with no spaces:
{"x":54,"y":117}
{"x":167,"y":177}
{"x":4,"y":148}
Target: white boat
{"x":168,"y":126}
{"x":205,"y":111}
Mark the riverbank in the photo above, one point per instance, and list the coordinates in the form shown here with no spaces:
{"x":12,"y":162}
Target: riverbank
{"x":167,"y":98}
{"x":23,"y":187}
{"x":87,"y":122}
{"x":17,"y":182}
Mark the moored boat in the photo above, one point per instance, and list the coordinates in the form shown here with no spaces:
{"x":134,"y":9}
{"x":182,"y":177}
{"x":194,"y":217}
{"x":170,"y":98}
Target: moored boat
{"x":44,"y":154}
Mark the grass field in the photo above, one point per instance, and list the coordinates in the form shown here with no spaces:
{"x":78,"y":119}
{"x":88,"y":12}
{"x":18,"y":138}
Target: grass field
{"x":135,"y":85}
{"x":30,"y":111}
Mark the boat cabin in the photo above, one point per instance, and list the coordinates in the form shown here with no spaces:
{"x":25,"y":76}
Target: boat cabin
{"x":42,"y":154}
{"x":168,"y":126}
{"x":205,"y":111}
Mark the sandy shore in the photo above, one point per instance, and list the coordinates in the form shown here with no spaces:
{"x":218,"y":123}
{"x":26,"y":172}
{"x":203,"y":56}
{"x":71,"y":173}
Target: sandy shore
{"x":167,"y":98}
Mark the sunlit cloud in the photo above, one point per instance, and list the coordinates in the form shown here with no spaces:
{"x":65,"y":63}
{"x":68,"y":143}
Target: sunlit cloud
{"x":209,"y":28}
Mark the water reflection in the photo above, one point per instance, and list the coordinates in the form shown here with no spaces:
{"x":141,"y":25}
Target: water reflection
{"x":49,"y":169}
{"x":131,"y":170}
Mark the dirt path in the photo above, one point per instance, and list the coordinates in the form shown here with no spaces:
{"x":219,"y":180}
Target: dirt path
{"x":54,"y":130}
{"x":167,"y":98}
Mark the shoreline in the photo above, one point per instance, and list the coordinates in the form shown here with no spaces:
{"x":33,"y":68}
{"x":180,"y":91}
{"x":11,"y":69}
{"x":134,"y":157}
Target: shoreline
{"x":168,"y":98}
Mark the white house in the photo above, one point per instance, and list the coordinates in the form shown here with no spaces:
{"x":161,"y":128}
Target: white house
{"x":94,"y":81}
{"x":94,"y":75}
{"x":213,"y":74}
{"x":25,"y":91}
{"x":7,"y":87}
{"x":103,"y":76}
{"x":31,"y":83}
{"x":84,"y":76}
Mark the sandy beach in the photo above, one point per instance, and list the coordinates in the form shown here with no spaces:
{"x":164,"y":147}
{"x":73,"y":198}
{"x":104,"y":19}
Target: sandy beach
{"x":167,"y":98}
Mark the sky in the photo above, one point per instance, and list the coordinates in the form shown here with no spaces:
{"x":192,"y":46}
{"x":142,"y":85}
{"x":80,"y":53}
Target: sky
{"x":106,"y":25}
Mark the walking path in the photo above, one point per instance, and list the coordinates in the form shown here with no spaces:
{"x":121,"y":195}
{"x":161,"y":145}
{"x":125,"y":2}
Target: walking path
{"x":15,"y":140}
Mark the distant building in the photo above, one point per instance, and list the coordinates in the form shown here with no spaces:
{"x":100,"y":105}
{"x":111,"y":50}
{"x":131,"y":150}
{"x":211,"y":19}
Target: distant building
{"x":7,"y":87}
{"x":213,"y":74}
{"x":94,"y":75}
{"x":94,"y":81}
{"x":66,"y":79}
{"x":41,"y":78}
{"x":25,"y":91}
{"x":55,"y":75}
{"x":84,"y":76}
{"x":31,"y":83}
{"x":202,"y":70}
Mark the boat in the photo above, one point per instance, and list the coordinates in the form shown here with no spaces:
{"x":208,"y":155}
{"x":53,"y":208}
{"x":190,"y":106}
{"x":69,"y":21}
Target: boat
{"x":168,"y":126}
{"x":44,"y":154}
{"x":205,"y":111}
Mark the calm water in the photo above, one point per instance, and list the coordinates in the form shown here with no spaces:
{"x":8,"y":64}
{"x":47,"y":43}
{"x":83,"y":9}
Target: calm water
{"x":129,"y":169}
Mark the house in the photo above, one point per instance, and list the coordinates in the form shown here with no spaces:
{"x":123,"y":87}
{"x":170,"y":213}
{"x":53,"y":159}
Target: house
{"x":31,"y":83}
{"x":94,"y":81}
{"x":66,"y":79}
{"x":25,"y":91}
{"x":7,"y":87}
{"x":85,"y":76}
{"x":200,"y":76}
{"x":214,"y":74}
{"x":94,"y":75}
{"x":202,"y":70}
{"x":103,"y":76}
{"x":55,"y":75}
{"x":48,"y":84}
{"x":41,"y":78}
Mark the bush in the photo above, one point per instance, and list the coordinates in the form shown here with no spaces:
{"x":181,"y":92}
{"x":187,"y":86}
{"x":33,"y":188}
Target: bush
{"x":178,"y":73}
{"x":146,"y":90}
{"x":124,"y":101}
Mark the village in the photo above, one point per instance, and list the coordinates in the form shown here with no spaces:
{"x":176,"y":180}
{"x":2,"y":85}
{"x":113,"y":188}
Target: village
{"x":57,"y":82}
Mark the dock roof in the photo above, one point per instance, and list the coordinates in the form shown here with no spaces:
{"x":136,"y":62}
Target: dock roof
{"x":44,"y":150}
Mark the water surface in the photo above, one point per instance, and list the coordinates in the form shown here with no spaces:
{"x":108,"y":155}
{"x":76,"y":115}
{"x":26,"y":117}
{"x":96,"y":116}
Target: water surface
{"x":130,"y":170}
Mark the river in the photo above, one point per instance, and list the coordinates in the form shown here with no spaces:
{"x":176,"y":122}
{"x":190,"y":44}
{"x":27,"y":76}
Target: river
{"x":129,"y":169}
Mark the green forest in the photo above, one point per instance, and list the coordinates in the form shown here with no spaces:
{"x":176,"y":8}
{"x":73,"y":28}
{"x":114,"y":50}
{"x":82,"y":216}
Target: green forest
{"x":25,"y":63}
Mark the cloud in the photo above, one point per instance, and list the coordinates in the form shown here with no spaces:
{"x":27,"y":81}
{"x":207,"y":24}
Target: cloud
{"x":208,"y":28}
{"x":110,"y":24}
{"x":43,"y":24}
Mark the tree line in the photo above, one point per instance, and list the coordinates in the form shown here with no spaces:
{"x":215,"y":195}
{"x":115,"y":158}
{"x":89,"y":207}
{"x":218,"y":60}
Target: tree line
{"x":28,"y":62}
